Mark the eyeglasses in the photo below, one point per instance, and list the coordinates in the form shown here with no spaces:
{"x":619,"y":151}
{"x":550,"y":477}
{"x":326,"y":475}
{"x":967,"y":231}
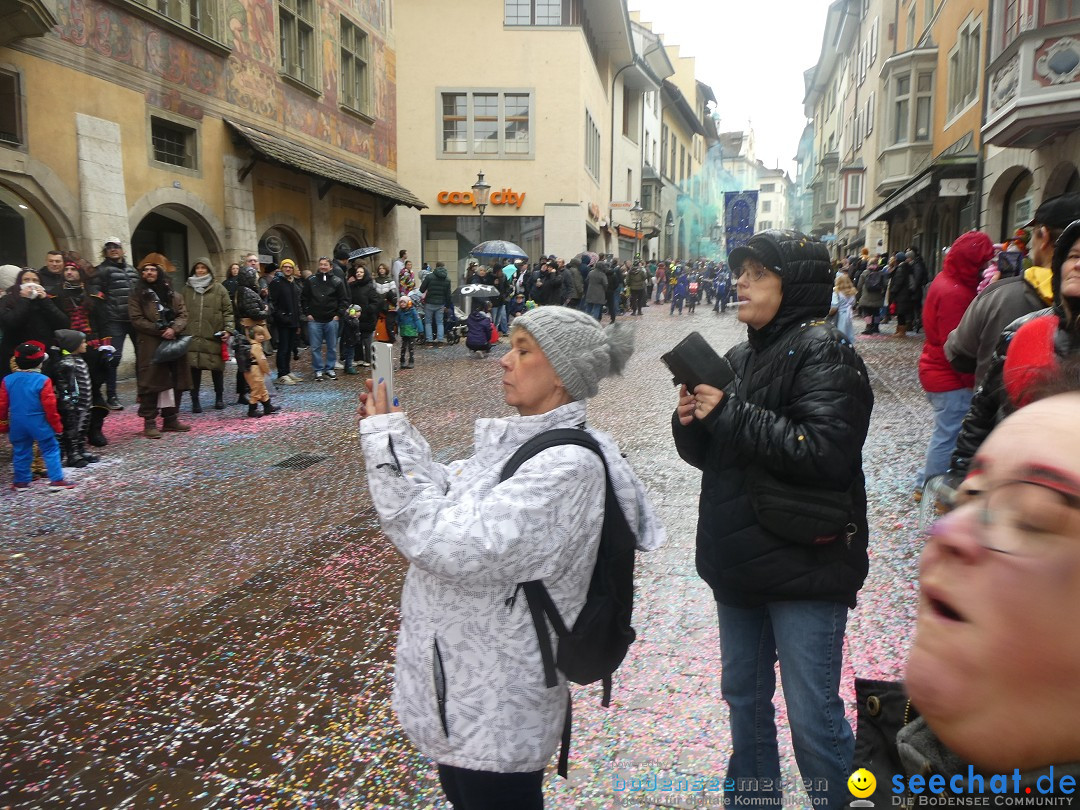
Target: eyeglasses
{"x":1021,"y":518}
{"x":759,"y":273}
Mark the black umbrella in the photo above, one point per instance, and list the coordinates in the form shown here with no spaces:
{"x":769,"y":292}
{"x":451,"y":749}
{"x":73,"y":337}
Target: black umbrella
{"x":498,"y":249}
{"x":477,"y":291}
{"x":364,"y":252}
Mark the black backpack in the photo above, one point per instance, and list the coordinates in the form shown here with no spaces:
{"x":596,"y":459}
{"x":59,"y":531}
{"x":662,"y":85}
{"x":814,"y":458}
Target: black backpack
{"x":873,"y":281}
{"x":597,"y":644}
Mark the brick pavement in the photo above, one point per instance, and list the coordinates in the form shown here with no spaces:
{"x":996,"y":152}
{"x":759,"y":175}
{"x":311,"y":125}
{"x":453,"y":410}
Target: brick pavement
{"x":197,"y":626}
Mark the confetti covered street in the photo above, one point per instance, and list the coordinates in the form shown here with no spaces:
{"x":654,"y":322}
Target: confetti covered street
{"x":208,"y":620}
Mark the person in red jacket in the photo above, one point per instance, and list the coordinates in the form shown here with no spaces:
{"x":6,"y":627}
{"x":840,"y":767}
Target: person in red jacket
{"x":28,"y":414}
{"x":949,"y":391}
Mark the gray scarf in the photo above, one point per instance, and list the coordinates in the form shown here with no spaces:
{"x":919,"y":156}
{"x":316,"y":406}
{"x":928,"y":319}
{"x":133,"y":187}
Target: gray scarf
{"x":200,"y":283}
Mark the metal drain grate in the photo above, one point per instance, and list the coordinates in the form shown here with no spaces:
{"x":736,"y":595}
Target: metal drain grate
{"x":301,"y":461}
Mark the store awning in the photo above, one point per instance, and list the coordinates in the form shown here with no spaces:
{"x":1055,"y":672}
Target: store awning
{"x":288,"y":153}
{"x":630,"y":233}
{"x":901,"y":195}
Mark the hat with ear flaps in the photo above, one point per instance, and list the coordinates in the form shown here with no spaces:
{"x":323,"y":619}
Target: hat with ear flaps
{"x":580,"y":350}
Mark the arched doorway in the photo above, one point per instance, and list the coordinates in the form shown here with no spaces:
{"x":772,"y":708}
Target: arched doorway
{"x":1018,"y":204}
{"x":179,"y":234}
{"x":24,"y":237}
{"x":1064,"y":179}
{"x":1001,"y":201}
{"x":281,"y":242}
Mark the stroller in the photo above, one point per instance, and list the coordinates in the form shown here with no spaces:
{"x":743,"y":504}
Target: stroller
{"x":454,"y":325}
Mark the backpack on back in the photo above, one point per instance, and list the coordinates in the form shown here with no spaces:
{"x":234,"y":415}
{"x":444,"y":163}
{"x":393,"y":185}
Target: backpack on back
{"x":874,"y":281}
{"x":596,"y":645}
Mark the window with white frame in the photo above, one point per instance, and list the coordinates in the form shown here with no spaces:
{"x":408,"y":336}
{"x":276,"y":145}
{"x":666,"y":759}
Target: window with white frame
{"x":901,"y":108}
{"x":768,"y":188}
{"x":873,"y":41}
{"x":928,"y":13}
{"x":541,"y":12}
{"x":203,"y":16}
{"x":765,"y":225}
{"x":830,"y":186}
{"x":964,"y":68}
{"x":924,"y":105}
{"x":853,"y":193}
{"x":1012,"y":23}
{"x":592,"y":146}
{"x":766,"y":206}
{"x":296,"y":32}
{"x":486,"y":122}
{"x":869,"y":118}
{"x":911,"y":28}
{"x":1061,"y":10}
{"x":355,"y":76}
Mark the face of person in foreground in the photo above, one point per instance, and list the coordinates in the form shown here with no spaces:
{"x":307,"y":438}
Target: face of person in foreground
{"x":201,"y":269}
{"x":760,"y":292}
{"x":996,"y":657}
{"x":530,"y":383}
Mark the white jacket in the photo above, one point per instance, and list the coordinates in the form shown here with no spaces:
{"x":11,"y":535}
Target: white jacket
{"x":470,"y":540}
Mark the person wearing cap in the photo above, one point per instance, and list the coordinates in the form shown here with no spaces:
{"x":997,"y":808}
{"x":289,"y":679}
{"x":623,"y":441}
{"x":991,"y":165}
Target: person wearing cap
{"x":116,"y":278}
{"x":971,"y":346}
{"x":1030,"y":348}
{"x":797,"y":413}
{"x":468,"y":678}
{"x":28,"y":414}
{"x":285,"y":311}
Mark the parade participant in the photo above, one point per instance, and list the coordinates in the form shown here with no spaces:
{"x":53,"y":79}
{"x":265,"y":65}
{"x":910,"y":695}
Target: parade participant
{"x":949,"y":392}
{"x":469,"y":687}
{"x":87,"y":312}
{"x":27,"y":313}
{"x":210,"y":323}
{"x":788,"y":430}
{"x":158,"y":314}
{"x":28,"y":414}
{"x":116,"y":279}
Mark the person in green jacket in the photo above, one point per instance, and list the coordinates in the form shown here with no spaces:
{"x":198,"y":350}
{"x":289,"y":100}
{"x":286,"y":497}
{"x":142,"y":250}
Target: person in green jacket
{"x":437,"y":288}
{"x":210,"y":322}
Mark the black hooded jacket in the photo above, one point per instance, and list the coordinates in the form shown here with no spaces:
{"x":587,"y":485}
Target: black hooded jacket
{"x":364,"y":295}
{"x":247,"y":303}
{"x":799,"y":408}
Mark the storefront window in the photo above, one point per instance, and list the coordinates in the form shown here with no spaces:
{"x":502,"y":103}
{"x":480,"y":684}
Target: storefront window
{"x":449,"y":239}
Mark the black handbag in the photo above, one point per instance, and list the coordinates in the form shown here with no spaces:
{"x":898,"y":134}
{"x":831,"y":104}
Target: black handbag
{"x":801,"y":514}
{"x":882,"y":708}
{"x":169,"y":350}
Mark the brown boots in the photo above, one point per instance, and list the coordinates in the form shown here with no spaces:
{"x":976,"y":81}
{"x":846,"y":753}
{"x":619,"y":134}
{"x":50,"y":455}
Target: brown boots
{"x":150,"y":430}
{"x":901,"y":331}
{"x":170,"y":424}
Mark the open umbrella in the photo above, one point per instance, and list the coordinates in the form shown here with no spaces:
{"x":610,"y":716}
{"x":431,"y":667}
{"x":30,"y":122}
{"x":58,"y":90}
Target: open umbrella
{"x":477,"y":291}
{"x":364,"y":252}
{"x":498,"y":249}
{"x":593,"y":257}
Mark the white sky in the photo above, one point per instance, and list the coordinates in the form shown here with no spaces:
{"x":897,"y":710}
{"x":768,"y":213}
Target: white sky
{"x":753,"y":54}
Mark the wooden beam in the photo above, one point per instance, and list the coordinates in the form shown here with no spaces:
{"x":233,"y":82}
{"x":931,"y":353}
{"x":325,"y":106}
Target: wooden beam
{"x":325,"y":187}
{"x":244,"y":172}
{"x":390,"y":205}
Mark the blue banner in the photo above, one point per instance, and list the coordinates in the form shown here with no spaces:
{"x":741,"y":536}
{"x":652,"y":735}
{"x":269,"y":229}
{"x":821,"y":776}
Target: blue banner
{"x":740,"y":214}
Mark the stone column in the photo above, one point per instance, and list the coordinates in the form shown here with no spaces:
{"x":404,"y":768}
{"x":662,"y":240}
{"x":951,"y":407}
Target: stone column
{"x":102,"y":196}
{"x":240,"y":234}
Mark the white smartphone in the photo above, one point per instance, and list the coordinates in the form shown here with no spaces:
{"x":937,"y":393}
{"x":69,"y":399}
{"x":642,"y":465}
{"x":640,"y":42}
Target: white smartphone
{"x":383,"y":368}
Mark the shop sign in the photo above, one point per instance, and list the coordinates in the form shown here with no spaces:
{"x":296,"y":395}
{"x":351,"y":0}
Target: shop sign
{"x":506,"y":196}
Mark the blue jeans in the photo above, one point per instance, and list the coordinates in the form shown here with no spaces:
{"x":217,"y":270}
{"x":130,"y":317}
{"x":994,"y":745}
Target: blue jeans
{"x":317,"y":333}
{"x":807,"y":637}
{"x":433,"y":313}
{"x":950,"y":408}
{"x":596,"y":310}
{"x":498,"y":317}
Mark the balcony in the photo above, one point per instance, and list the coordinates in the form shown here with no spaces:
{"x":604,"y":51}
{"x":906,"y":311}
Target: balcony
{"x":899,"y":163}
{"x":1034,"y":88}
{"x":25,"y":18}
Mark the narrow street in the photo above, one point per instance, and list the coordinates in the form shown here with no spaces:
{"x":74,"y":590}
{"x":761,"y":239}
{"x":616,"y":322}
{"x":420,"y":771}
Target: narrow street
{"x":208,"y":620}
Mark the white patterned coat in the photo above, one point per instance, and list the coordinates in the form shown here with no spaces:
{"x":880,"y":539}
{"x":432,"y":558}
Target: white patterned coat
{"x":470,"y":540}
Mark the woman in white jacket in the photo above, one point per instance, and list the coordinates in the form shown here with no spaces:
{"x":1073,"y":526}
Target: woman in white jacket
{"x":469,"y":681}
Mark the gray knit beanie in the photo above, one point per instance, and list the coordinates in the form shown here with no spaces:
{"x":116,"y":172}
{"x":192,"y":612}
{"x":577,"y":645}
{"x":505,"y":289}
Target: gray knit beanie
{"x":580,"y":350}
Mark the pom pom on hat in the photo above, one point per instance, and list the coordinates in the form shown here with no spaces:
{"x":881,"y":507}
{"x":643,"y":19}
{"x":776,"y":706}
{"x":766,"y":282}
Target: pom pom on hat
{"x":580,"y":350}
{"x":30,"y":354}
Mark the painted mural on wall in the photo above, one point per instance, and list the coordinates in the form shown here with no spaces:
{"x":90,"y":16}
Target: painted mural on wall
{"x":248,"y":77}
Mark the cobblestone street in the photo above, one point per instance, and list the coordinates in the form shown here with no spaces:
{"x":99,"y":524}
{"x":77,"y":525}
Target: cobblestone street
{"x":208,"y":620}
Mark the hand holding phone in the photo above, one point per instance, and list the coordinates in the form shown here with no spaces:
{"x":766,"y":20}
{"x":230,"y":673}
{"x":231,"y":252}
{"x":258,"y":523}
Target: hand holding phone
{"x":382,"y":368}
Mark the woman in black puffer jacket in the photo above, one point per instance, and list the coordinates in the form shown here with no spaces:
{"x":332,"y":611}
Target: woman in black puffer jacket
{"x":798,"y":411}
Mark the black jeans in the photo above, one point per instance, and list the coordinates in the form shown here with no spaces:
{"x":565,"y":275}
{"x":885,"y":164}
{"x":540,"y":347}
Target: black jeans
{"x":286,"y":343}
{"x":486,"y":790}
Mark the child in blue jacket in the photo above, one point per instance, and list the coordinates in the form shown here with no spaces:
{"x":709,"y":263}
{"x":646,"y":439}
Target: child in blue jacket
{"x":28,"y":414}
{"x":409,"y":327}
